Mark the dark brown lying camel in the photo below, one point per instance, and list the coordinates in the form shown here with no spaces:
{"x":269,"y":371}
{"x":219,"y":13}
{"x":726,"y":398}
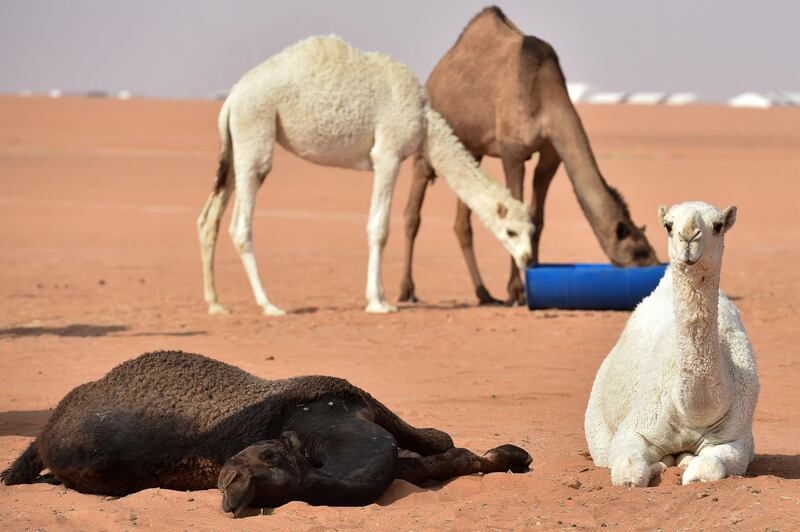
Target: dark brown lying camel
{"x":183,"y":421}
{"x":504,"y":95}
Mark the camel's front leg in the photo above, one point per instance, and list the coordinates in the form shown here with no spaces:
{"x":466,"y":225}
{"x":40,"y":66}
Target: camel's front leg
{"x":386,"y":167}
{"x":513,"y":157}
{"x":631,"y":457}
{"x":458,"y":462}
{"x":716,"y":462}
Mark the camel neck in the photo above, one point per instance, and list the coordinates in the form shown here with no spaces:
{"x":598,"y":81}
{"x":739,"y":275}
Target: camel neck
{"x":572,"y":144}
{"x":703,"y":372}
{"x":451,"y":160}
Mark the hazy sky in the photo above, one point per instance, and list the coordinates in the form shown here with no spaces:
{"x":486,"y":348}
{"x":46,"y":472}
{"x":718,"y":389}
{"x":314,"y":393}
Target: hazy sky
{"x":717,"y":48}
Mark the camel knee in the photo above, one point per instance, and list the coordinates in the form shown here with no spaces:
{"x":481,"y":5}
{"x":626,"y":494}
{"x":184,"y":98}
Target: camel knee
{"x":241,"y":238}
{"x":413,"y":221}
{"x":378,"y":239}
{"x":377,"y":234}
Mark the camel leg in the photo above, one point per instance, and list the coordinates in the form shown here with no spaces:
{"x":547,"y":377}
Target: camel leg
{"x":513,"y":157}
{"x":630,"y":457}
{"x":715,"y":462}
{"x":208,"y":229}
{"x":457,"y":462}
{"x":386,"y":165}
{"x":542,"y":177}
{"x":422,"y":176}
{"x":463,"y":230}
{"x":253,"y":161}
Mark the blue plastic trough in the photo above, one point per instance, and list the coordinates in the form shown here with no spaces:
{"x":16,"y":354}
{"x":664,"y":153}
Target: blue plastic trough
{"x":590,"y":286}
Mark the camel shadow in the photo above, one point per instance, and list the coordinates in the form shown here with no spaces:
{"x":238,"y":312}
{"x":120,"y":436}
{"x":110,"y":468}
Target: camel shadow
{"x":777,"y":465}
{"x":23,"y":422}
{"x":80,"y":330}
{"x":400,"y":489}
{"x":422,"y":306}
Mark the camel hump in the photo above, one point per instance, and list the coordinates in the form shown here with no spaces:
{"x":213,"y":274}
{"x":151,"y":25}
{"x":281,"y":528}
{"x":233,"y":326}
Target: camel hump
{"x":534,"y":47}
{"x":491,"y":15}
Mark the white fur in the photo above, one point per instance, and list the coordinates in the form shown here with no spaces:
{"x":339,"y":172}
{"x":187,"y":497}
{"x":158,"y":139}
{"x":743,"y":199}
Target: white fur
{"x":681,"y":381}
{"x":334,"y":105}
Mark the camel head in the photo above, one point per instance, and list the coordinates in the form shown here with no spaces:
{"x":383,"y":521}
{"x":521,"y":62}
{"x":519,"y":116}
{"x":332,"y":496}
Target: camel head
{"x":513,"y":227}
{"x":266,"y":473}
{"x":696,"y":233}
{"x":628,"y":246}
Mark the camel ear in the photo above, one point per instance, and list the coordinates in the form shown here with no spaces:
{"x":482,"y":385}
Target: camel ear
{"x":502,"y":210}
{"x":662,"y":211}
{"x":292,"y":439}
{"x":729,"y":217}
{"x":226,"y":477}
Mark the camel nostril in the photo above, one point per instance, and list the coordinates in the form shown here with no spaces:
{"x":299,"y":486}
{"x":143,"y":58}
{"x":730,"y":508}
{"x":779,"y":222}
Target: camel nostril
{"x":692,"y":238}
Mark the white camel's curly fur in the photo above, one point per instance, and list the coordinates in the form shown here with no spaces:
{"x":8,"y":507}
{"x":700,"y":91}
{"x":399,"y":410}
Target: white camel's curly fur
{"x":681,"y":384}
{"x":334,"y":105}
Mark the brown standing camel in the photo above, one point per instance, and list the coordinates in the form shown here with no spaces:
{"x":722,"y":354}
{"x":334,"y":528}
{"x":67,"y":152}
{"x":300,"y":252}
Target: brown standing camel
{"x":504,"y":95}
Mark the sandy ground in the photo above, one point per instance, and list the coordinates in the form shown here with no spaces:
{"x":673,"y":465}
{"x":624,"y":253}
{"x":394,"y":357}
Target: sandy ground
{"x":100,"y":263}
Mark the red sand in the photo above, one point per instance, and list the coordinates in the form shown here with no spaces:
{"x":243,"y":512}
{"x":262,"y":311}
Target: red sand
{"x":100,"y":263}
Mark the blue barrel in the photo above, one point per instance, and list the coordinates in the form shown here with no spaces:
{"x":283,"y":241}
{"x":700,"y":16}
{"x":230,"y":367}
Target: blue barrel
{"x":590,"y":286}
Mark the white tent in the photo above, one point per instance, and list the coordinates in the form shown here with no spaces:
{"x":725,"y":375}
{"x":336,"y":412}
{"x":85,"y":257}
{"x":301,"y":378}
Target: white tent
{"x":646,"y":98}
{"x":578,"y":91}
{"x":750,"y":99}
{"x":606,"y":97}
{"x":681,"y":98}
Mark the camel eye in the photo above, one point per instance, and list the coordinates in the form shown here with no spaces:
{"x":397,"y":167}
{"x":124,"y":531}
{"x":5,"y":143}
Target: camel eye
{"x":668,"y":227}
{"x":717,"y":227}
{"x":511,"y":233}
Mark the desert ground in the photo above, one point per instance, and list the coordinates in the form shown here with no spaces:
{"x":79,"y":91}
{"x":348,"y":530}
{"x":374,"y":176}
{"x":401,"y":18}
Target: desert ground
{"x":100,"y":262}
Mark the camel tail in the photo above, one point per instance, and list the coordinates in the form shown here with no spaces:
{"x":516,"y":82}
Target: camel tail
{"x":451,"y":160}
{"x":25,"y":468}
{"x":226,"y":149}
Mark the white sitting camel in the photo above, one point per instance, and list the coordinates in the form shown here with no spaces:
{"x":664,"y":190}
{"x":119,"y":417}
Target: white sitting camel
{"x":681,"y":384}
{"x":334,"y":105}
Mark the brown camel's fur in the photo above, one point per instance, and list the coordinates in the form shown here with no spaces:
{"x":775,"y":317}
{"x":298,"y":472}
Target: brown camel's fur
{"x":182,"y":421}
{"x":504,"y":95}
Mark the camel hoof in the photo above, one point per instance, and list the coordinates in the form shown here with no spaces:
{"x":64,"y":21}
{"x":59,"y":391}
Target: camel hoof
{"x":410,"y":298}
{"x":516,"y":298}
{"x":272,"y":310}
{"x":509,"y":458}
{"x":703,"y":469}
{"x":217,"y":309}
{"x":683,"y":460}
{"x":485,"y":298}
{"x":380,"y":307}
{"x":631,"y":471}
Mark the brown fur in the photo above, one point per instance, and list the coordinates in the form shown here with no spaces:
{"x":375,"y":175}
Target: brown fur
{"x":505,"y":96}
{"x":183,"y":421}
{"x":171,"y":419}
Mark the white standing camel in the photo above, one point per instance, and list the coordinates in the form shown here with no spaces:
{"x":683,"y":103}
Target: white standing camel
{"x":334,"y":105}
{"x":681,"y":384}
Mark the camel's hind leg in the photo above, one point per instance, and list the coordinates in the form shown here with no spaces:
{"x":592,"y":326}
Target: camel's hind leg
{"x":457,"y":462}
{"x":386,"y":165}
{"x":208,"y":229}
{"x":423,"y":175}
{"x":252,"y":163}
